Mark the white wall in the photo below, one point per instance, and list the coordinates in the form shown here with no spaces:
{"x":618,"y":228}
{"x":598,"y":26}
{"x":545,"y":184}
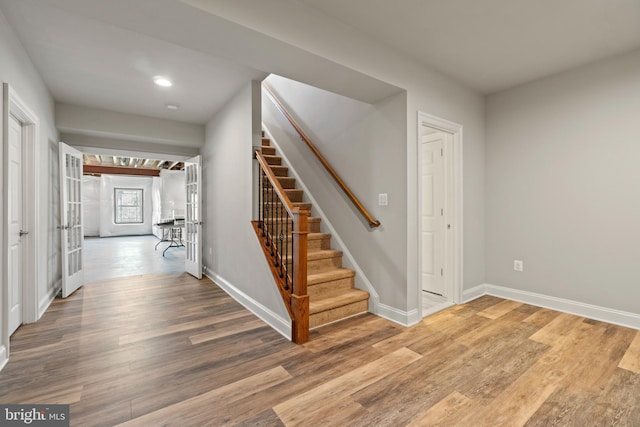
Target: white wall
{"x":169,"y":199}
{"x":563,"y":185}
{"x":173,"y":198}
{"x":366,"y":145}
{"x":17,"y":70}
{"x":91,"y":205}
{"x":108,"y":183}
{"x":76,"y":119}
{"x":231,"y":252}
{"x":306,"y":29}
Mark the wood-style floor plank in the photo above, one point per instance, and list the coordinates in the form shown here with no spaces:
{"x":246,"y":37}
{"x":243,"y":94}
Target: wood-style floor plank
{"x":499,"y":309}
{"x":337,"y":390}
{"x":446,"y":412}
{"x":188,"y":411}
{"x":631,"y":359}
{"x":132,"y":351}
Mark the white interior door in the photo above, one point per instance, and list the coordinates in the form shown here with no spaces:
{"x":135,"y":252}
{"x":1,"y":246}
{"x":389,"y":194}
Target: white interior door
{"x":71,"y":215}
{"x":15,"y":224}
{"x":193,"y":218}
{"x":433,"y":213}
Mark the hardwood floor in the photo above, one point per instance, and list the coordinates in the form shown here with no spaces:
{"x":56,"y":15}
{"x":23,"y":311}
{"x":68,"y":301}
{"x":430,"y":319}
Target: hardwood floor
{"x":171,"y":350}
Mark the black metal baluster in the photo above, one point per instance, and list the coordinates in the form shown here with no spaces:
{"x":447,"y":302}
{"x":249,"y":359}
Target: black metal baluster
{"x":260,"y":190}
{"x":272,"y":212}
{"x":292,"y":260}
{"x":286,"y":251}
{"x":281,"y":241}
{"x":265,"y":195}
{"x":276,"y":260}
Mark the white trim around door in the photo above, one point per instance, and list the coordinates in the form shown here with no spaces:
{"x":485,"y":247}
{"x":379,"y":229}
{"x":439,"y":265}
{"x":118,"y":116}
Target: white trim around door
{"x":453,"y":212}
{"x":13,"y":105}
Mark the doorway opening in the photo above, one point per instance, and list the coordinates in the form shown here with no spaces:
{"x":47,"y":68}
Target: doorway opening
{"x":439,"y":213}
{"x":134,"y":207}
{"x":125,"y":196}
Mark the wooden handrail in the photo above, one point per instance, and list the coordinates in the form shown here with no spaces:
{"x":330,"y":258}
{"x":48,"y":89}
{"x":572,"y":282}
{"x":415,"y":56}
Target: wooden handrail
{"x":276,"y":184}
{"x":373,"y":223}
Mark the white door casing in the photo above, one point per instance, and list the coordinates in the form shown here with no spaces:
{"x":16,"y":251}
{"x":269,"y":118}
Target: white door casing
{"x":453,"y":203}
{"x":193,"y":217}
{"x":14,"y":200}
{"x":432,"y":219}
{"x":32,"y":246}
{"x":71,"y":229}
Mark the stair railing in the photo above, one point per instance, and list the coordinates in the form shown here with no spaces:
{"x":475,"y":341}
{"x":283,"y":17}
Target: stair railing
{"x":282,"y":229}
{"x":373,"y":223}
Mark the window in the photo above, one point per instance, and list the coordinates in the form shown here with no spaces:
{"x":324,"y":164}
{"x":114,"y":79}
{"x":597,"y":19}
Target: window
{"x":128,"y":205}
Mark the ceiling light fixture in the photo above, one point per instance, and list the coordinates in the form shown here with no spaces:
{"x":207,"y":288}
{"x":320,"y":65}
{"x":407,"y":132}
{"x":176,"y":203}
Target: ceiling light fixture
{"x":172,"y":106}
{"x":162,"y":81}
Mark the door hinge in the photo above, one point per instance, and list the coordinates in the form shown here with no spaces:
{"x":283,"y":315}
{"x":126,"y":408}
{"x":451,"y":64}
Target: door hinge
{"x":442,"y":152}
{"x":442,"y":272}
{"x":441,"y":211}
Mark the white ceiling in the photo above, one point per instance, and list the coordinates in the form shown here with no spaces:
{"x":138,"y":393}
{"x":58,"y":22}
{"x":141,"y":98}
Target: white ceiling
{"x":87,"y":62}
{"x":492,"y":45}
{"x":104,"y":53}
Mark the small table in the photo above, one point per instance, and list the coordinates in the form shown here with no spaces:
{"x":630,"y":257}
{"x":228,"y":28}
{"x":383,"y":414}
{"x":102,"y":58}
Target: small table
{"x":172,"y":233}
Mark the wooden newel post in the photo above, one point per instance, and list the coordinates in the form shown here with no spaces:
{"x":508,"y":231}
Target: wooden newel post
{"x":299,"y":297}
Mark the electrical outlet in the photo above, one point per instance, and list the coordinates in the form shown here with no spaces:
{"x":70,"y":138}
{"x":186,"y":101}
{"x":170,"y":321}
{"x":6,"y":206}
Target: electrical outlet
{"x":518,"y":265}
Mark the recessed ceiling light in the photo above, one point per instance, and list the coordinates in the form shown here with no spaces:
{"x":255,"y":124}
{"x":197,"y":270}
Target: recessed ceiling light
{"x":162,"y":81}
{"x":172,"y":106}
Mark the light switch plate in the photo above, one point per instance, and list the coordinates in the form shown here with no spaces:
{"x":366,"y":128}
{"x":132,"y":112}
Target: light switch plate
{"x":383,"y":200}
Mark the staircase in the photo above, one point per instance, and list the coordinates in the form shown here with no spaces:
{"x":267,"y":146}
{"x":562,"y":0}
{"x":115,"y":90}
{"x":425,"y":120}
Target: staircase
{"x":330,"y":287}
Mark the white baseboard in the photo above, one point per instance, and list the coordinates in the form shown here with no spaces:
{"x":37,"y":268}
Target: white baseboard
{"x":595,"y":312}
{"x":46,"y":301}
{"x":3,"y":357}
{"x":404,"y":318}
{"x":473,"y":293}
{"x":280,"y":324}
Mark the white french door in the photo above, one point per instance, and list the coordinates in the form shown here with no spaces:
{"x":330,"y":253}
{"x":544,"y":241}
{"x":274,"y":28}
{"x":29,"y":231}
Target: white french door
{"x":193,"y":217}
{"x":71,"y":216}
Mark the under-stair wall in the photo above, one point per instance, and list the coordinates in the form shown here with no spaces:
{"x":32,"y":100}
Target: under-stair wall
{"x":366,"y":145}
{"x":231,"y":256}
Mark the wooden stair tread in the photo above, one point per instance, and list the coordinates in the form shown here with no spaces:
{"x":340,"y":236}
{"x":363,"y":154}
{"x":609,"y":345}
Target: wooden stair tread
{"x":311,"y":219}
{"x":301,"y":205}
{"x":318,"y":236}
{"x":332,"y":296}
{"x":323,"y":253}
{"x":319,"y":254}
{"x":272,"y":160}
{"x":342,"y":299}
{"x":328,"y":276}
{"x":279,"y":170}
{"x":287,"y":182}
